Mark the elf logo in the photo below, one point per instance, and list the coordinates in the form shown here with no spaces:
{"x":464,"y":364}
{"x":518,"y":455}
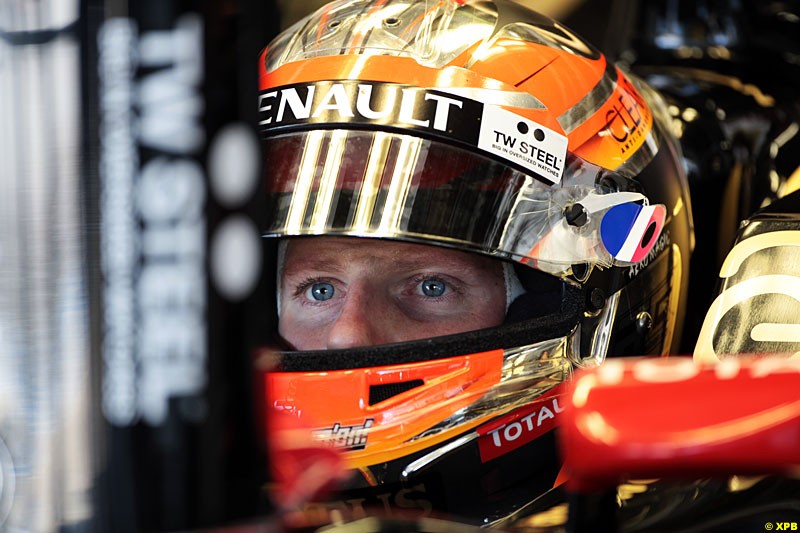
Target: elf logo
{"x":359,"y":102}
{"x":627,"y":118}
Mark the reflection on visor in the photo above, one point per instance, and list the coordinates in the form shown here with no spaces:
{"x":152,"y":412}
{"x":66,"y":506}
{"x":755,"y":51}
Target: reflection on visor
{"x":386,"y":185}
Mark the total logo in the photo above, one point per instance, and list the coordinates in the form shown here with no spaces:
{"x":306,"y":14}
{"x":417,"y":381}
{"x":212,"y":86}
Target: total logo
{"x":520,"y":427}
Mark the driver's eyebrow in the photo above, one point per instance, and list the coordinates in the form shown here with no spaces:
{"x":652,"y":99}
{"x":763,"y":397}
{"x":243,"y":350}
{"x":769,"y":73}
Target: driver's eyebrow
{"x":295,"y":266}
{"x":441,"y":265}
{"x":337,"y":265}
{"x":446,"y":262}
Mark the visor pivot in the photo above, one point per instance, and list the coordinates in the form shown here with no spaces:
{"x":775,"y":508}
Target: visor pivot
{"x":576,"y":215}
{"x":643,"y":322}
{"x":597,"y":299}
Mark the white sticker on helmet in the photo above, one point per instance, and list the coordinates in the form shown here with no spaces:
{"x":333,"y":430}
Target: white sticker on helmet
{"x":524,"y":142}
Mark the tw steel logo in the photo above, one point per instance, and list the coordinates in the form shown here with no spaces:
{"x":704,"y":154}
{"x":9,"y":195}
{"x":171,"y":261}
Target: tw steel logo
{"x":779,"y":294}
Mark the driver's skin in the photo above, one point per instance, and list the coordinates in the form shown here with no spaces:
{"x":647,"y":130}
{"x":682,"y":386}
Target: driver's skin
{"x":344,"y":292}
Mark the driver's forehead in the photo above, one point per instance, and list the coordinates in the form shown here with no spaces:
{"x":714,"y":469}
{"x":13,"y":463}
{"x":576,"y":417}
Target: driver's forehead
{"x":344,"y":253}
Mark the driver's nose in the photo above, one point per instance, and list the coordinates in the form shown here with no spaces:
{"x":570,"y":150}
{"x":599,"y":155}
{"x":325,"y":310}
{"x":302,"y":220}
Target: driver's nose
{"x":364,"y":320}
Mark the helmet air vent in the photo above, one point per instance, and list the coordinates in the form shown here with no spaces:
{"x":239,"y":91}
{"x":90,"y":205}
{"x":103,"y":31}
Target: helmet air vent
{"x":380,"y":393}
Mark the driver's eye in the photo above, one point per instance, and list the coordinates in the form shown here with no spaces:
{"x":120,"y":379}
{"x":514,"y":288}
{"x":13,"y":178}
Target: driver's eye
{"x":320,"y":291}
{"x":433,"y":287}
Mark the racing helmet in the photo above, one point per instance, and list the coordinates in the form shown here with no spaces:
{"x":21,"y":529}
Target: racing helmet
{"x":488,"y":128}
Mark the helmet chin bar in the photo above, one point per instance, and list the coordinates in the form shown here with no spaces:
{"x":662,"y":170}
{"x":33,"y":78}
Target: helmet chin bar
{"x":527,"y":372}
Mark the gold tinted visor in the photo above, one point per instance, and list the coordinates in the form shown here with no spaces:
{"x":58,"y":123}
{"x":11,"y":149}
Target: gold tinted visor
{"x":395,"y":186}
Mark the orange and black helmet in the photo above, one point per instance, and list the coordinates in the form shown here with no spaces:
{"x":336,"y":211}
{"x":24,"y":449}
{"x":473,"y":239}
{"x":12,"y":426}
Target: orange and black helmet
{"x":481,"y":126}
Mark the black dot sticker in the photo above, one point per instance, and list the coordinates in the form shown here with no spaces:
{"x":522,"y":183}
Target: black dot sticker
{"x":522,"y":128}
{"x":538,"y":135}
{"x":648,"y":235}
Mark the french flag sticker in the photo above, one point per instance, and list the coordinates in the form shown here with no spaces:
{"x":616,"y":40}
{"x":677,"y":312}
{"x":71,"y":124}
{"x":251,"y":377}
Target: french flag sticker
{"x":629,"y":231}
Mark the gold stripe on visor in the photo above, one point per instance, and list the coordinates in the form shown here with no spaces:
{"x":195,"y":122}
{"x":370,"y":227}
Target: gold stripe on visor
{"x":305,"y":180}
{"x":368,"y":194}
{"x":400,"y":185}
{"x":327,"y":186}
